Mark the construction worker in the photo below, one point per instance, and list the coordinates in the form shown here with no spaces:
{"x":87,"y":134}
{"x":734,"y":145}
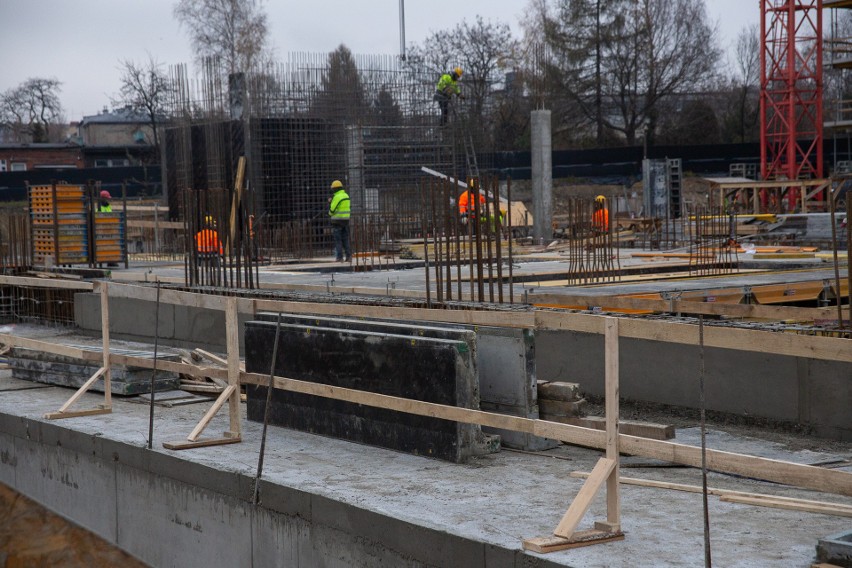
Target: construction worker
{"x":338,"y":211}
{"x":104,"y":205}
{"x":207,"y":243}
{"x":600,"y":217}
{"x":445,"y":89}
{"x":467,"y":207}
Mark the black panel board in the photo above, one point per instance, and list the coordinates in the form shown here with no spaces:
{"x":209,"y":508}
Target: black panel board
{"x":418,"y":368}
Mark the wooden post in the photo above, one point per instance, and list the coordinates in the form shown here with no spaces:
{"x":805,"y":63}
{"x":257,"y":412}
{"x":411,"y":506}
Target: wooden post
{"x":233,"y":342}
{"x":565,"y":535}
{"x":613,"y":497}
{"x":105,"y":337}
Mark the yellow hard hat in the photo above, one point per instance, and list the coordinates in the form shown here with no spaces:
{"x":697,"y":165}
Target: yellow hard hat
{"x":209,"y":220}
{"x":458,"y":71}
{"x":600,"y":199}
{"x":337,"y":184}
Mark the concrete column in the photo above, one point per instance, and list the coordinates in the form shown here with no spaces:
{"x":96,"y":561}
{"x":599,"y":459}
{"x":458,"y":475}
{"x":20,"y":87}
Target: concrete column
{"x":542,"y":175}
{"x":355,"y":168}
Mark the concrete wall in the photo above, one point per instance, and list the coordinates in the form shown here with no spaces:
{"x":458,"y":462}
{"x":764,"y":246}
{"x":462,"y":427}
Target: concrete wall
{"x":812,"y":392}
{"x":170,"y":512}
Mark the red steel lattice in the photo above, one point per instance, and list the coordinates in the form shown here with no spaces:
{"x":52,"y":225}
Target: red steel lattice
{"x":791,"y":90}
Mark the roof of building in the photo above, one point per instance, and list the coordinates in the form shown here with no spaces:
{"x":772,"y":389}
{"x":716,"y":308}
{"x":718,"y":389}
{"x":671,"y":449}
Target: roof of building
{"x":123,"y":115}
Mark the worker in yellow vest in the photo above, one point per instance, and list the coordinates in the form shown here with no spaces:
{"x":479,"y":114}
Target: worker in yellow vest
{"x":338,"y":212}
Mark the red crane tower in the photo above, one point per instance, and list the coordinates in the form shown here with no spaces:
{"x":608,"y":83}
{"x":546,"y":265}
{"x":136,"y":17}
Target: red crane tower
{"x":791,"y":92}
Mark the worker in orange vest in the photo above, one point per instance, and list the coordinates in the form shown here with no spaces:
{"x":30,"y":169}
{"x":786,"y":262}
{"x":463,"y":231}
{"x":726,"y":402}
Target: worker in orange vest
{"x":467,"y":208}
{"x":600,"y":217}
{"x":207,"y":242}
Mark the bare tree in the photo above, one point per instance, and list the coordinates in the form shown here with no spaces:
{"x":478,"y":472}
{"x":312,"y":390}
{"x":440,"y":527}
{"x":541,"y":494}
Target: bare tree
{"x":484,"y":50}
{"x":616,"y":61}
{"x":744,"y":111}
{"x":145,"y":88}
{"x":234,"y":31}
{"x":29,"y":110}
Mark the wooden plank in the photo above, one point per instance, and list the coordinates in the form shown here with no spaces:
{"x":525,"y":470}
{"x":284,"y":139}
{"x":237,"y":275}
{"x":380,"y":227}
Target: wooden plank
{"x":208,"y":416}
{"x":45,"y":283}
{"x":611,"y":391}
{"x":614,"y":303}
{"x":104,"y":290}
{"x":583,"y":500}
{"x":546,"y":544}
{"x":217,"y":359}
{"x":76,"y":413}
{"x":232,"y":340}
{"x":794,"y":345}
{"x":730,"y":495}
{"x":541,"y":428}
{"x":823,"y":509}
{"x":189,"y":299}
{"x":810,"y":477}
{"x":47,"y":347}
{"x":828,"y":348}
{"x":187,"y":445}
{"x":525,"y":319}
{"x":629,"y":427}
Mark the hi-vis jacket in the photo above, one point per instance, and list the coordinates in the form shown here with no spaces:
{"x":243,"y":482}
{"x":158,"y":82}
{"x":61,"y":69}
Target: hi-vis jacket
{"x":447,"y":85}
{"x":338,"y":209}
{"x":207,"y":242}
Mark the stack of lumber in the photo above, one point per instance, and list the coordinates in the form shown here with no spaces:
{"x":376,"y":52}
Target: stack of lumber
{"x":200,"y":383}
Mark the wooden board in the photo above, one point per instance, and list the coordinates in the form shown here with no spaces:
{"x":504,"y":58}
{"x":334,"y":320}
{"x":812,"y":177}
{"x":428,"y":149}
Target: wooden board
{"x":757,"y":499}
{"x":547,"y":544}
{"x":810,"y":477}
{"x":204,"y":442}
{"x":628,"y":427}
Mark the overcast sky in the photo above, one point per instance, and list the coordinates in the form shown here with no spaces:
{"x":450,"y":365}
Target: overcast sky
{"x":80,"y":42}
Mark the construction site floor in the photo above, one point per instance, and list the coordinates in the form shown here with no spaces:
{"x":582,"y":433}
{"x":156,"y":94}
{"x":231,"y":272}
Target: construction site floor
{"x":432,"y":512}
{"x":659,"y":276}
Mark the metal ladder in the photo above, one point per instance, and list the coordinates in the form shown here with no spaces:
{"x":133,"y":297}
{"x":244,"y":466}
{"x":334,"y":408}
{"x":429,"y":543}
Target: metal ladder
{"x":469,"y":149}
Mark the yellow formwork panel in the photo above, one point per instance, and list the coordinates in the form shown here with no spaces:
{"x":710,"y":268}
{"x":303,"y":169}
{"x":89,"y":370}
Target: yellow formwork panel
{"x":788,"y":292}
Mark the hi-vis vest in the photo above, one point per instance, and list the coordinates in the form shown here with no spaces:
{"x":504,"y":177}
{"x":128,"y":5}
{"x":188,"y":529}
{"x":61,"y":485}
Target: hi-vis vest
{"x":207,"y":242}
{"x":338,"y":209}
{"x":447,"y":86}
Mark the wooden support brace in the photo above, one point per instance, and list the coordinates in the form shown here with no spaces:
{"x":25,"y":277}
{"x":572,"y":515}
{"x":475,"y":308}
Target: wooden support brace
{"x":196,"y":432}
{"x":580,"y":504}
{"x":192,"y":440}
{"x":230,"y":394}
{"x":62,"y":412}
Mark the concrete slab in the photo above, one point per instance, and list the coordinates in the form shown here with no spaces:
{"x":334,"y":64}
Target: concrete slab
{"x":334,"y":503}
